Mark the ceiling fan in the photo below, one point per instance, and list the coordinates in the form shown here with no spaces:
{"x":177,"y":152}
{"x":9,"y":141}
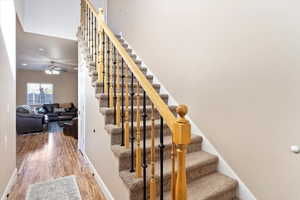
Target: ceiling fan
{"x":53,"y":69}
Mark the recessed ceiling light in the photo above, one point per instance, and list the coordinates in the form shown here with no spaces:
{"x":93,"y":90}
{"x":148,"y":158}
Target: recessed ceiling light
{"x":41,"y":49}
{"x":24,"y":64}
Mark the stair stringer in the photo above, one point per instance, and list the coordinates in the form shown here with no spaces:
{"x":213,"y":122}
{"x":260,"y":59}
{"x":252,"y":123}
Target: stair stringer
{"x":103,"y":163}
{"x":243,"y":192}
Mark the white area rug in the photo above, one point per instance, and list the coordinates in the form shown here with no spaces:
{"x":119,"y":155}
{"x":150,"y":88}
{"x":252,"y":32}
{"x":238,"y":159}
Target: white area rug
{"x":64,"y":188}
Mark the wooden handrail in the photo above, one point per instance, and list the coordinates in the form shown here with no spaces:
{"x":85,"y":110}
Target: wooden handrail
{"x":159,"y":104}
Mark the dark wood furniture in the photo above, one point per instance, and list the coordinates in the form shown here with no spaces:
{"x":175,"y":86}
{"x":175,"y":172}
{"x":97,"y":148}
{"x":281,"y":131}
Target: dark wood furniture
{"x":71,"y":128}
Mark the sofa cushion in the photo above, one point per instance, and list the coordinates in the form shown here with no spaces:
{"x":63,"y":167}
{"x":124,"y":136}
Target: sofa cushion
{"x":65,"y":105}
{"x":24,"y":109}
{"x":21,"y":109}
{"x":50,"y":107}
{"x":41,"y":110}
{"x":59,"y":110}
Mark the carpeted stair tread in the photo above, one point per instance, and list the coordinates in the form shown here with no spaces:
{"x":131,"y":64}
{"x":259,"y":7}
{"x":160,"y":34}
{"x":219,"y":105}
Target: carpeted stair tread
{"x":149,"y":77}
{"x":99,"y":84}
{"x":155,"y":85}
{"x":116,"y":131}
{"x":211,"y":187}
{"x":103,"y":98}
{"x":109,"y":113}
{"x":123,"y":154}
{"x":120,"y":151}
{"x":106,"y":110}
{"x":194,"y":161}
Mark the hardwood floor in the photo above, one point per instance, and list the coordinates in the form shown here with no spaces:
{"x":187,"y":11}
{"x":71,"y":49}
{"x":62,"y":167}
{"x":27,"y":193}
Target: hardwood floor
{"x":44,"y":156}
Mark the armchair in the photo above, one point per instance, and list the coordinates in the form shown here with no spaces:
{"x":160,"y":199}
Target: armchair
{"x":27,"y":120}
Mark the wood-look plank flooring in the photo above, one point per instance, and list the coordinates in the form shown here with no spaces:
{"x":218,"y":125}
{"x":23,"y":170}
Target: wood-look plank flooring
{"x":49,"y":155}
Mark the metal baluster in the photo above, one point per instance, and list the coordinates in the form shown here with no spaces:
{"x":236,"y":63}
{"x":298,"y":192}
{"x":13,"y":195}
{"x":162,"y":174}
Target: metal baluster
{"x":92,"y":38}
{"x":118,"y":103}
{"x":132,"y":138}
{"x":89,"y":31}
{"x":99,"y":55}
{"x":126,"y":131}
{"x":96,"y":44}
{"x":173,"y":172}
{"x":103,"y":61}
{"x":108,"y":72}
{"x":152,"y":162}
{"x":138,"y":153}
{"x":88,"y":27}
{"x":111,"y":78}
{"x":81,"y":6}
{"x":86,"y":22}
{"x":115,"y":85}
{"x":144,"y":146}
{"x":122,"y":102}
{"x":161,"y":146}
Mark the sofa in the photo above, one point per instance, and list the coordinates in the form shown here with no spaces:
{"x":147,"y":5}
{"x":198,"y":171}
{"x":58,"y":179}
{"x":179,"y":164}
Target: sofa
{"x":58,"y":112}
{"x":28,"y":120}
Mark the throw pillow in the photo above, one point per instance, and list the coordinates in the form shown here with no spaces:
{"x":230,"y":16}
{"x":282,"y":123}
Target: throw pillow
{"x":58,"y":110}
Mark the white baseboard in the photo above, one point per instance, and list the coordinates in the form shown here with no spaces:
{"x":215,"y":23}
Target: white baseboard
{"x":8,"y":187}
{"x":99,"y":180}
{"x":243,"y":191}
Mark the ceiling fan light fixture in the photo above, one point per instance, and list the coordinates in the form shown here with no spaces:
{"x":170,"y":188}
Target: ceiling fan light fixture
{"x":52,"y":72}
{"x":48,"y":71}
{"x":55,"y":72}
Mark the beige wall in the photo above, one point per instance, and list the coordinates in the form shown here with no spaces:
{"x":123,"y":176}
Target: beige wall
{"x":236,"y":64}
{"x":8,"y":92}
{"x":65,"y":85}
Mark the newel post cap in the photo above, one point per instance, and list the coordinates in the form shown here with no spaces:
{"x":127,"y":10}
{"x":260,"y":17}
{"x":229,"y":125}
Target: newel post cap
{"x":101,"y":12}
{"x":182,"y":127}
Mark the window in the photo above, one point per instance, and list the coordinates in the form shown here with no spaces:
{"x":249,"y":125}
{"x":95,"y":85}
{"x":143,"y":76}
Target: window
{"x":39,"y":93}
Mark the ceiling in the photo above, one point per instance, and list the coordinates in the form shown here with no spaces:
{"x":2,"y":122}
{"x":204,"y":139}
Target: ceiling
{"x":35,"y":52}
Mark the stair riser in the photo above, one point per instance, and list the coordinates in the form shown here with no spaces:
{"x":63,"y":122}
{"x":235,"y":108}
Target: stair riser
{"x":93,"y":72}
{"x":100,"y":90}
{"x":109,"y":117}
{"x":103,"y":101}
{"x":92,"y":62}
{"x":194,"y":172}
{"x":124,"y":159}
{"x":86,"y":50}
{"x":95,"y":77}
{"x":229,"y":195}
{"x":116,"y":137}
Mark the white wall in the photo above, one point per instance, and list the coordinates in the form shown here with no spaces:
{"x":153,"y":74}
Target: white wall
{"x":19,"y":5}
{"x":64,"y":85}
{"x":236,"y":64}
{"x":99,"y":3}
{"x":54,"y":18}
{"x":7,"y":91}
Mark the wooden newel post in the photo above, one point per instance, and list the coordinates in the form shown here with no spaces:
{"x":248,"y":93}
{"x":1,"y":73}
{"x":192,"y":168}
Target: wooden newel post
{"x":182,"y":137}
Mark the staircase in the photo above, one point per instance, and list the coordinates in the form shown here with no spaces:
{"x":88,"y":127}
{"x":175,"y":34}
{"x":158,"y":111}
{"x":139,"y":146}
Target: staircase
{"x":138,"y":119}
